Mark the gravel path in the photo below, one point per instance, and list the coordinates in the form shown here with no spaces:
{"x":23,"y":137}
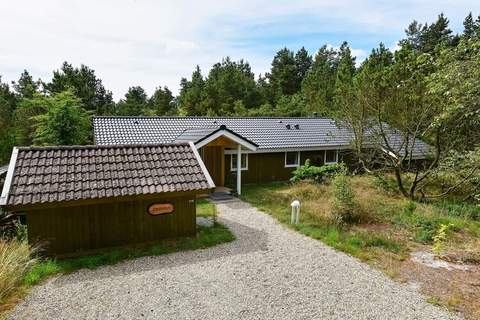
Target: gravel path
{"x":269,"y":272}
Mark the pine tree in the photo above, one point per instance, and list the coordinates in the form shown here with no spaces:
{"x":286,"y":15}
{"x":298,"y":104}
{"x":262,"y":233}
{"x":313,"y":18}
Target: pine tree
{"x":162,"y":102}
{"x":25,"y":87}
{"x":469,"y":26}
{"x":344,"y":78}
{"x":85,"y":85}
{"x":319,"y":84}
{"x":190,"y":98}
{"x":8,"y":104}
{"x":283,"y":75}
{"x":135,"y":103}
{"x":303,"y":62}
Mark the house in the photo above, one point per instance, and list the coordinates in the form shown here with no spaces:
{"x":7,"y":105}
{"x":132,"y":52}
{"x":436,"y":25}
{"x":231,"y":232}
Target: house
{"x":82,"y":198}
{"x":239,"y":150}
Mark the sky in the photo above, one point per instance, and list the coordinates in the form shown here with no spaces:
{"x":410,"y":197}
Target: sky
{"x":155,"y":43}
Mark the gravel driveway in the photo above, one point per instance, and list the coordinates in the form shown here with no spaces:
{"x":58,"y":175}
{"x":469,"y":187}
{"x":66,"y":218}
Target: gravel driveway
{"x":269,"y":272}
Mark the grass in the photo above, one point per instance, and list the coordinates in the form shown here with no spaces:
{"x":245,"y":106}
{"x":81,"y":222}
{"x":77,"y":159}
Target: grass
{"x":206,"y":237}
{"x":18,"y":272}
{"x":387,"y":224}
{"x":15,"y":260}
{"x":205,"y":208}
{"x":387,"y":228}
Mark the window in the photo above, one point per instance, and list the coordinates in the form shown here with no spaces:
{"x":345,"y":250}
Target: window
{"x":233,"y":162}
{"x":331,"y":156}
{"x":292,"y":159}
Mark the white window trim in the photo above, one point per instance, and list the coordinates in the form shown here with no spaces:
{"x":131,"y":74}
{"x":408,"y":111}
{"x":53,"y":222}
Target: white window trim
{"x":325,"y":157}
{"x":292,"y":165}
{"x":231,"y":162}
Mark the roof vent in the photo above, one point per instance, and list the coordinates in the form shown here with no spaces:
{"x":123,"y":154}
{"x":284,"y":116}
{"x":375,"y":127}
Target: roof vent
{"x":280,"y":121}
{"x":288,"y":127}
{"x":136,"y":121}
{"x":297,"y":126}
{"x":215,"y":121}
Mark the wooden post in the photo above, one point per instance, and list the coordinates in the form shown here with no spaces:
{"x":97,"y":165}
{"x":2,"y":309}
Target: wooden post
{"x":239,"y":169}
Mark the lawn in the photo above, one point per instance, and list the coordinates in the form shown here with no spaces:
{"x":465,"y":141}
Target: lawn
{"x":387,"y":230}
{"x":205,"y":208}
{"x":44,"y":268}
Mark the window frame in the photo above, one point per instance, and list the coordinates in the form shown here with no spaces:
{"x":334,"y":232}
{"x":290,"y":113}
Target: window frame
{"x":231,"y":162}
{"x":325,"y":157}
{"x":292,"y":165}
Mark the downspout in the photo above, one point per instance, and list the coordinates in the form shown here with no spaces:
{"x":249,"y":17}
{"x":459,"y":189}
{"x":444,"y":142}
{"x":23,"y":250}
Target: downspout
{"x":239,"y":169}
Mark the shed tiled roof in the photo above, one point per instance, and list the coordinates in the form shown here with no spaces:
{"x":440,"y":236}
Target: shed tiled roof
{"x":57,"y":174}
{"x":268,"y":133}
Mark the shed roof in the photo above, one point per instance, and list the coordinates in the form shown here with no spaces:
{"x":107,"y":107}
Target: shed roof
{"x":70,"y":173}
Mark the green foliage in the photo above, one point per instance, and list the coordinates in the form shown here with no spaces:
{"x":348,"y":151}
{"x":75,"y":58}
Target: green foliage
{"x":135,"y":103}
{"x":344,"y":205}
{"x":25,"y":87}
{"x":85,"y":85}
{"x":205,"y":208}
{"x":283,"y":75}
{"x":319,"y":83}
{"x":440,"y":237}
{"x":65,"y":122}
{"x":385,"y":184}
{"x":162,"y":102}
{"x":460,"y":209}
{"x":8,"y":103}
{"x":318,"y":174}
{"x":21,"y":231}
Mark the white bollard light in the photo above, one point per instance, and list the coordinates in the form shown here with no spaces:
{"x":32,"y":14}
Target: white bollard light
{"x":295,"y":219}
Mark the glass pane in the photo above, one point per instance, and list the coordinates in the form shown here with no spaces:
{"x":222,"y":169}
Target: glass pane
{"x":234,"y":161}
{"x":244,"y":161}
{"x":292,"y":158}
{"x":331,"y":156}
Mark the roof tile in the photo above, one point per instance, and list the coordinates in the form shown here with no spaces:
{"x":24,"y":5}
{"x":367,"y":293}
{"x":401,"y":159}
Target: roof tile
{"x":55,"y":174}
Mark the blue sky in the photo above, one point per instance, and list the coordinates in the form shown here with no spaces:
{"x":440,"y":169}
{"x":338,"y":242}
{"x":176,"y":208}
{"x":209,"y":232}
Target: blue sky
{"x":152,"y":43}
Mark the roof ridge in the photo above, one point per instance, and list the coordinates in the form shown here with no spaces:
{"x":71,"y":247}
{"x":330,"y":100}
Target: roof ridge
{"x":208,"y":117}
{"x":99,"y":146}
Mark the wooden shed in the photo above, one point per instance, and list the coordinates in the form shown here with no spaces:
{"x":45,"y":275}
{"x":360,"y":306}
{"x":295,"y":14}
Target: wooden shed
{"x":83,"y":198}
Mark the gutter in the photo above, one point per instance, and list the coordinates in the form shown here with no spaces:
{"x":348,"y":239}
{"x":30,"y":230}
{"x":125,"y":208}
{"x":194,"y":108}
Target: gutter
{"x":9,"y":177}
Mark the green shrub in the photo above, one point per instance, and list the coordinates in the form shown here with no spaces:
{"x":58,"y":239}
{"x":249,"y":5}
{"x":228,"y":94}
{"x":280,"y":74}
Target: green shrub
{"x":344,"y":203}
{"x":318,"y":174}
{"x":440,"y":237}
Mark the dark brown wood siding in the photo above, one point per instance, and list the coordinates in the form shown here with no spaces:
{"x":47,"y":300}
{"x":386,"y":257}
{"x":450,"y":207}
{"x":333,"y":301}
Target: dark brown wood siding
{"x":69,"y":230}
{"x":266,"y":167}
{"x":212,"y":156}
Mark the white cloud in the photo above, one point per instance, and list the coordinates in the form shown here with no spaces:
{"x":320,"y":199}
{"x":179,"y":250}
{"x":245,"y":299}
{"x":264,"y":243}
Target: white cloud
{"x":152,"y":43}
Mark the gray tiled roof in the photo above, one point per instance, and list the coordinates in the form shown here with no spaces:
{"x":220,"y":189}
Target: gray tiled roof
{"x":266,"y":132}
{"x":56,"y":174}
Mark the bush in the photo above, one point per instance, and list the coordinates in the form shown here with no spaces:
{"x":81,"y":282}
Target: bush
{"x":318,"y":174}
{"x":344,"y":203}
{"x":15,"y":261}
